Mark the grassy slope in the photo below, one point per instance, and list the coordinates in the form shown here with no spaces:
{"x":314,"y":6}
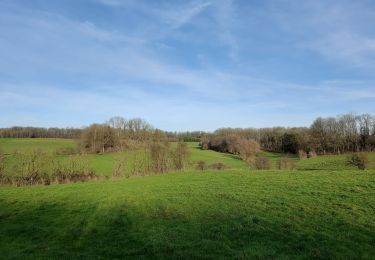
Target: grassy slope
{"x":233,"y":213}
{"x":212,"y":214}
{"x":10,"y":145}
{"x":103,"y":163}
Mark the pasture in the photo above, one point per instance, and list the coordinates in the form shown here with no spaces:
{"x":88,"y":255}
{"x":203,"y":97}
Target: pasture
{"x":323,"y":209}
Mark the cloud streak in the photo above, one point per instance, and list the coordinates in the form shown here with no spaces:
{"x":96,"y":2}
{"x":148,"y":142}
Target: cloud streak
{"x":58,"y":69}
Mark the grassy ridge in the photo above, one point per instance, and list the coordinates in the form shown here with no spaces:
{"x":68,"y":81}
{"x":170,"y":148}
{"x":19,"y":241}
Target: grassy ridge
{"x":212,"y":214}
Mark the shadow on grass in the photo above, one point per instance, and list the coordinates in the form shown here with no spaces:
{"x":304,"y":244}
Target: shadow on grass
{"x":85,"y":231}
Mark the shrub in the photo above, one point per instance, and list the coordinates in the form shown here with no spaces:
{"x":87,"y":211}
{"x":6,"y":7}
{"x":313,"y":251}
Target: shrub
{"x":2,"y":165}
{"x":67,"y":151}
{"x":141,"y":164}
{"x":180,"y":156}
{"x":302,"y":154}
{"x":31,"y":168}
{"x":312,"y":154}
{"x":286,"y":163}
{"x":359,"y":160}
{"x":247,"y":149}
{"x":262,"y":163}
{"x":218,"y":166}
{"x":231,"y":143}
{"x":73,"y":169}
{"x":118,"y":167}
{"x":159,"y":155}
{"x":201,"y":165}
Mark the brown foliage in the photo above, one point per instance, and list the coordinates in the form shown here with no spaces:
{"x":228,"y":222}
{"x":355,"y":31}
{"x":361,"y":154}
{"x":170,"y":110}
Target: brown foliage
{"x":201,"y":165}
{"x":98,"y":138}
{"x":119,"y":167}
{"x":74,"y":169}
{"x":159,"y":155}
{"x":218,"y":166}
{"x":2,"y":165}
{"x":360,"y":160}
{"x":286,"y":163}
{"x":180,"y":156}
{"x":35,"y":168}
{"x":302,"y":154}
{"x":262,"y":163}
{"x":245,"y":148}
{"x":312,"y":154}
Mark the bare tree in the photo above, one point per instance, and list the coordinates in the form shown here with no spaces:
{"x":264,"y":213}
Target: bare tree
{"x":99,"y":138}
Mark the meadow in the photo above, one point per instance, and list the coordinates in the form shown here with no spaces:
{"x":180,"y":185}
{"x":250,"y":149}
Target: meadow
{"x":322,"y":209}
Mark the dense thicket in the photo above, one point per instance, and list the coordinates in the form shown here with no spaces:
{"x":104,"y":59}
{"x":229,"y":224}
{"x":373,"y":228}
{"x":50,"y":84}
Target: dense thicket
{"x":99,"y":138}
{"x":231,"y":143}
{"x":134,"y":129}
{"x":38,"y":132}
{"x":119,"y":133}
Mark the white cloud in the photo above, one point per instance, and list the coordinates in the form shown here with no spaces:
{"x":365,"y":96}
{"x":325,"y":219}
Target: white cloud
{"x":225,"y":16}
{"x":48,"y":56}
{"x":340,"y":31}
{"x":177,"y":17}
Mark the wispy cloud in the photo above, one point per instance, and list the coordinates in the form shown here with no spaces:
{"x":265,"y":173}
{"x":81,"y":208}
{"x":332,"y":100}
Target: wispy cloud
{"x":226,"y":16}
{"x":340,"y":31}
{"x":177,"y":17}
{"x":58,"y":68}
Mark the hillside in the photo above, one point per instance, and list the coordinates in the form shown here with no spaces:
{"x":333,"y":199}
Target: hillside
{"x":321,"y":210}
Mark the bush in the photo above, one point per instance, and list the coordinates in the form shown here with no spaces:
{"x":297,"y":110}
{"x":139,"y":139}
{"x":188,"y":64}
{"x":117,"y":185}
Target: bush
{"x":180,"y":156}
{"x":359,"y":160}
{"x":67,"y":151}
{"x":140,"y":164}
{"x":72,"y":170}
{"x":32,"y":168}
{"x":312,"y":154}
{"x":201,"y":165}
{"x":160,"y":157}
{"x":218,"y":166}
{"x":118,"y":167}
{"x":2,"y":165}
{"x":302,"y":154}
{"x":231,"y":143}
{"x":286,"y":163}
{"x":262,"y":163}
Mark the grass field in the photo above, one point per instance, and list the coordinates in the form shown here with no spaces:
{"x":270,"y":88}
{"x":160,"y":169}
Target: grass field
{"x":11,"y":145}
{"x":102,"y":164}
{"x":322,"y":210}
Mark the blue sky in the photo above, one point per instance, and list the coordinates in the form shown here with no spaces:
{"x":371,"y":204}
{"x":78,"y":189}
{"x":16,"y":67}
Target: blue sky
{"x":185,"y":65}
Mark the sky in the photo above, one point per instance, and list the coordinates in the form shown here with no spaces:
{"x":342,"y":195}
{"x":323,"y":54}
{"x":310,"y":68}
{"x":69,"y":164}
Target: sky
{"x":185,"y":65}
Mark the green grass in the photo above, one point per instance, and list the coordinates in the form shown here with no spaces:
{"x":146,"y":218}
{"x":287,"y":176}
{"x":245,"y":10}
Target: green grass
{"x":324,"y":209}
{"x":102,"y":164}
{"x":330,"y":162}
{"x":11,"y":145}
{"x":236,"y":214}
{"x":210,"y":157}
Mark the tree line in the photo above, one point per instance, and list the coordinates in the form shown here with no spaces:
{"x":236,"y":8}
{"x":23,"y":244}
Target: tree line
{"x":340,"y":134}
{"x":39,"y":132}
